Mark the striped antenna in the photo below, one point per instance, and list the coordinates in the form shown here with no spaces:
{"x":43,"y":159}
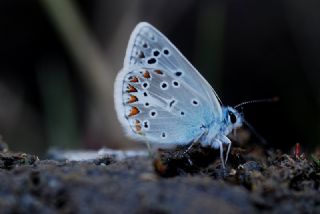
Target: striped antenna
{"x":269,"y":100}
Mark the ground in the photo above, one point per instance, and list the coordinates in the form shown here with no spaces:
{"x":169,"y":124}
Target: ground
{"x":255,"y":180}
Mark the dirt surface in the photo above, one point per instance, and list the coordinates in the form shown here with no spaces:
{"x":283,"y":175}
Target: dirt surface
{"x":254,"y":181}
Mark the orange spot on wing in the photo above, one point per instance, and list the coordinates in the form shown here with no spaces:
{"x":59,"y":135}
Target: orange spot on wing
{"x":130,"y":88}
{"x":158,"y":72}
{"x":134,"y":111}
{"x":133,"y":79}
{"x":132,"y":99}
{"x":146,"y":74}
{"x":138,"y":126}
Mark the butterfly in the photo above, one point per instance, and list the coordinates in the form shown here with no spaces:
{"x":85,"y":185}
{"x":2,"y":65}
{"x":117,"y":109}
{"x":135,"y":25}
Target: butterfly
{"x":161,"y":98}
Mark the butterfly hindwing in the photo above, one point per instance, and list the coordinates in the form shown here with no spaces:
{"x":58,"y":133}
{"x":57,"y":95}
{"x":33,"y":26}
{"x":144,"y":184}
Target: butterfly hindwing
{"x":160,"y":108}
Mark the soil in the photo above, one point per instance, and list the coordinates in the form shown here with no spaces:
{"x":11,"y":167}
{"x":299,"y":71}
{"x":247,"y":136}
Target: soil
{"x":254,"y":180}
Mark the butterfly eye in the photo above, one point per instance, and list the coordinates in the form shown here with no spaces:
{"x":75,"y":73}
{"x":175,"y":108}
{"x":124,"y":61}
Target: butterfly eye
{"x":232,"y":117}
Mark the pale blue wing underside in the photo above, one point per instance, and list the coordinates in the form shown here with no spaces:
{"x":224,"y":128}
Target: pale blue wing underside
{"x":169,"y":111}
{"x":145,"y":39}
{"x":160,"y":96}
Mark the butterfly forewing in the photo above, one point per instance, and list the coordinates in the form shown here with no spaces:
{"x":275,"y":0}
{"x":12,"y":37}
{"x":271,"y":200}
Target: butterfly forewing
{"x":149,"y":47}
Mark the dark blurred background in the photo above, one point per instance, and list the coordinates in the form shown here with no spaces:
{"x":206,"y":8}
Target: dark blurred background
{"x":59,"y":58}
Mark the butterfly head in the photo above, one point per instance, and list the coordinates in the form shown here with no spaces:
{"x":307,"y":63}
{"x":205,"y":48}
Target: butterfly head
{"x":233,"y":119}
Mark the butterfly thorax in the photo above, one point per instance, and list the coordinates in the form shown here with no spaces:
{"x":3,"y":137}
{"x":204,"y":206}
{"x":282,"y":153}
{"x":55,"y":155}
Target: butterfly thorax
{"x":217,"y":130}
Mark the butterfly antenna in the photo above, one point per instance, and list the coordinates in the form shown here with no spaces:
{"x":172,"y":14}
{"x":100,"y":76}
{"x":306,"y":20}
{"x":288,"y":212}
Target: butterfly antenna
{"x":274,"y":99}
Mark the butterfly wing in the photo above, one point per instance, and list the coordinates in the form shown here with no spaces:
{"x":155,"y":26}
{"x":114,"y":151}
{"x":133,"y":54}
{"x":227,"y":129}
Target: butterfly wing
{"x":160,"y":96}
{"x":146,"y":40}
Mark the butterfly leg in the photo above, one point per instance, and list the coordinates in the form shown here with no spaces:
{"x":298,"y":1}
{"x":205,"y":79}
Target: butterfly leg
{"x":221,"y":154}
{"x":226,"y":141}
{"x":149,"y":149}
{"x":195,"y":141}
{"x":189,"y":159}
{"x":188,"y":149}
{"x":185,"y":153}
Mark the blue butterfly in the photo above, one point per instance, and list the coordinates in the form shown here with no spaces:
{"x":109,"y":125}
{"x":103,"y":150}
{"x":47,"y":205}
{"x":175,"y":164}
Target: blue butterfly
{"x":161,"y":98}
